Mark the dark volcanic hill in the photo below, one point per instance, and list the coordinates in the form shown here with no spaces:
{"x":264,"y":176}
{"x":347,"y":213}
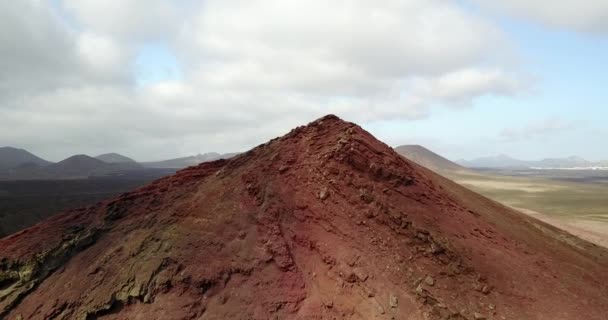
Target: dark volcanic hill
{"x":323,"y":223}
{"x":82,"y":166}
{"x":74,"y":167}
{"x":13,"y":157}
{"x":114,"y":158}
{"x":429,"y":159}
{"x":77,"y":165}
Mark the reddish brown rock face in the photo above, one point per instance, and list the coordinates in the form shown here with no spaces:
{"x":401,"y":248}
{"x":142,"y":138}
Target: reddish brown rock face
{"x":323,"y":223}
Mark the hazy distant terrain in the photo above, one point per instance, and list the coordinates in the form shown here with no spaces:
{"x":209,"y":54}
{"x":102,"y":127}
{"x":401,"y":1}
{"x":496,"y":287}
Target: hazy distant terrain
{"x":19,"y":164}
{"x":184,"y":162}
{"x":114,"y":158}
{"x":582,"y":176}
{"x":506,"y":162}
{"x":75,"y":167}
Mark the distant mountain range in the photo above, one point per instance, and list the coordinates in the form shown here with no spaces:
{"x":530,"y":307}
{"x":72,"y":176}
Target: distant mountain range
{"x":74,"y":167}
{"x":19,"y":164}
{"x":429,"y":159}
{"x":504,"y":161}
{"x":437,"y":163}
{"x":179,"y":163}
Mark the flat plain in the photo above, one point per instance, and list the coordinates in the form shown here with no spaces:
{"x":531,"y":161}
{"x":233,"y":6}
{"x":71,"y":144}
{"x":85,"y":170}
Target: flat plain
{"x":27,"y":202}
{"x":576,"y":201}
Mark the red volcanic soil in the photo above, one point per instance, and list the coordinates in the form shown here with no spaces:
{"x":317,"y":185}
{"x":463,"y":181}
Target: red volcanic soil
{"x":323,"y":223}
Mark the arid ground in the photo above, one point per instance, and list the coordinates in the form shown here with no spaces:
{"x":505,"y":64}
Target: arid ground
{"x":577,"y":203}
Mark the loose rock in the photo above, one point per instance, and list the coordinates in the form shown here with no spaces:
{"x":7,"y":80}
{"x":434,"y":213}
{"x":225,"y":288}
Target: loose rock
{"x":485,"y":289}
{"x":324,"y":194}
{"x":393,"y":301}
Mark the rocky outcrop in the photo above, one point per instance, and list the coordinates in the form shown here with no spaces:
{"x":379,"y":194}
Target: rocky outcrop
{"x":18,"y":278}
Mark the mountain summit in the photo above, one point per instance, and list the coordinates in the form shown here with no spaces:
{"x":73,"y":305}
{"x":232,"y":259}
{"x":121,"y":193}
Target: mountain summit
{"x":12,"y":157}
{"x":114,"y":158}
{"x":325,"y":222}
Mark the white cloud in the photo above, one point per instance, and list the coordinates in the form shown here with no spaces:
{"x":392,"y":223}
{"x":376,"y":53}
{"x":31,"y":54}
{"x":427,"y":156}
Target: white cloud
{"x":100,"y":53}
{"x":251,"y":70}
{"x":125,"y":19}
{"x":361,"y":59}
{"x":31,"y":49}
{"x":465,"y":84}
{"x":38,"y":54}
{"x":579,"y":15}
{"x":297,"y":43}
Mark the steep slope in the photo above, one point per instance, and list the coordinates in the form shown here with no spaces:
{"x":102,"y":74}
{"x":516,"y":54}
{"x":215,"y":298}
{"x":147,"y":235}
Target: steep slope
{"x":13,"y":157}
{"x":114,"y":158}
{"x":323,"y":223}
{"x":429,"y":159}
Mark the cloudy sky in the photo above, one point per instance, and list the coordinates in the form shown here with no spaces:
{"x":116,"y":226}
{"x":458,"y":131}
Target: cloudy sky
{"x":154,"y":79}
